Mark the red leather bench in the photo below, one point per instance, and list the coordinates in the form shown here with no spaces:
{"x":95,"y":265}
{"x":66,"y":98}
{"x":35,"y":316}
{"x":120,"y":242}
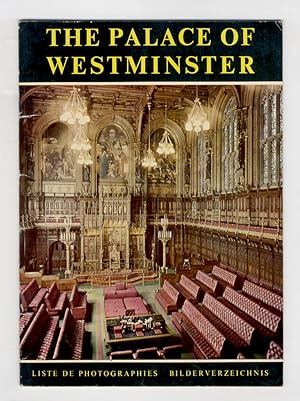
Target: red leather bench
{"x":274,"y":351}
{"x":239,"y":332}
{"x":227,"y":278}
{"x":69,"y":344}
{"x":265,"y":284}
{"x":206,"y":340}
{"x":39,"y":339}
{"x":168,"y":297}
{"x":252,"y":278}
{"x":228,"y":267}
{"x":266,"y":322}
{"x":277,"y":289}
{"x":188,"y":290}
{"x":119,"y":290}
{"x":32,"y":296}
{"x":171,"y":351}
{"x":207,"y":284}
{"x":127,"y":354}
{"x":24,"y":322}
{"x":265,"y":296}
{"x":146,"y":353}
{"x":56,"y":301}
{"x":78,"y":303}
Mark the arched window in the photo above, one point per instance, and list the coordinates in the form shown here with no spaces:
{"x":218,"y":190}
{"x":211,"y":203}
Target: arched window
{"x":271,"y":136}
{"x":230,"y":145}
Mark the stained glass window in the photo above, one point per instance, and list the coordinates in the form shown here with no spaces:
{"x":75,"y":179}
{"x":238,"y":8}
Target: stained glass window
{"x":230,"y":145}
{"x":271,"y":136}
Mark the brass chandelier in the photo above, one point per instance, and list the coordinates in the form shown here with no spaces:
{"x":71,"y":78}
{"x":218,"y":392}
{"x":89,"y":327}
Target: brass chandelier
{"x":149,"y":159}
{"x":75,"y":113}
{"x":165,"y":146}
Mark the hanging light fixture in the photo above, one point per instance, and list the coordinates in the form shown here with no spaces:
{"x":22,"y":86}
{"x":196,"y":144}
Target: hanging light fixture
{"x":75,"y":113}
{"x":149,"y":159}
{"x":84,"y":158}
{"x":165,"y":145}
{"x":81,"y":141}
{"x":75,"y":110}
{"x":197,"y":118}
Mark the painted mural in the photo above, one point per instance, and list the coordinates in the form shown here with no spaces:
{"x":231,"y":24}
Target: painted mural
{"x":113,"y":153}
{"x":58,"y":160}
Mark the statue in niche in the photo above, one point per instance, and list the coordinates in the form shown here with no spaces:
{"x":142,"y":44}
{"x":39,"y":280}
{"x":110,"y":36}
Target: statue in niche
{"x":29,"y":184}
{"x":30,"y":167}
{"x":208,"y":185}
{"x":208,"y":165}
{"x":240,"y":179}
{"x":30,"y":158}
{"x":240,"y":172}
{"x":139,"y":179}
{"x":241,"y":152}
{"x":85,"y":173}
{"x":187,"y":172}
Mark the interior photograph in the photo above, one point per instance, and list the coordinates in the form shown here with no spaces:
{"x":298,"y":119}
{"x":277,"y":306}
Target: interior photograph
{"x":150,"y":221}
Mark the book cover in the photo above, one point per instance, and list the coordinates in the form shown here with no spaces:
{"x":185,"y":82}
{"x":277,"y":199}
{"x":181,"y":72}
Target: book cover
{"x":151,"y":203}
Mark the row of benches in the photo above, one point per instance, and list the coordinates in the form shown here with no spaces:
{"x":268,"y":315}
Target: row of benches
{"x":171,"y":297}
{"x":44,"y":340}
{"x":241,"y":320}
{"x":274,"y":352}
{"x":265,"y":296}
{"x":32,"y":297}
{"x":270,"y":322}
{"x":168,"y":352}
{"x":203,"y":338}
{"x":254,"y":279}
{"x":40,"y":336}
{"x":213,"y":330}
{"x":236,"y":329}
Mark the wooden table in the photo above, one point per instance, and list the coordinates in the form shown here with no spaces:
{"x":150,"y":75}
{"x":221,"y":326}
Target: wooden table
{"x":130,"y":340}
